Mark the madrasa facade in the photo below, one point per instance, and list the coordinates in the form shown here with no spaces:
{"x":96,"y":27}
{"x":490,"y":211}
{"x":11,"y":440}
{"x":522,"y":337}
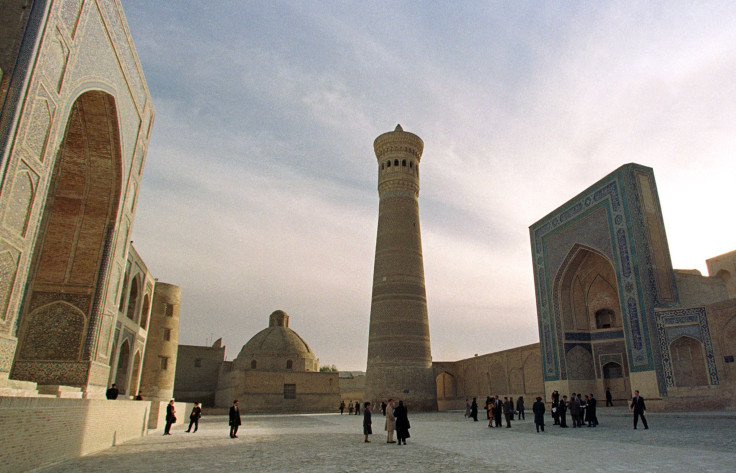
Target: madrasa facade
{"x":79,"y":308}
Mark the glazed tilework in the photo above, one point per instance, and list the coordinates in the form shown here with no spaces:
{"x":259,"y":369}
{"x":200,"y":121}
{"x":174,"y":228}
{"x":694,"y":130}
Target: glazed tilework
{"x":692,"y":322}
{"x":623,"y":238}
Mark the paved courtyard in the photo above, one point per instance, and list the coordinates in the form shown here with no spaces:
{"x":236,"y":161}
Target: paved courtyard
{"x":700,"y":442}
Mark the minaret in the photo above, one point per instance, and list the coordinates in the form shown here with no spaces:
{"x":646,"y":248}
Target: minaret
{"x":399,"y":356}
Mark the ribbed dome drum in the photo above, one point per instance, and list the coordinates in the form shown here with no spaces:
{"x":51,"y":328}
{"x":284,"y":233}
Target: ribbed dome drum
{"x":277,"y":348}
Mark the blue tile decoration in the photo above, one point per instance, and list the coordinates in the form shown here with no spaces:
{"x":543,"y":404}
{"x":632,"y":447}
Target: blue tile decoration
{"x":593,"y":336}
{"x":628,"y":249}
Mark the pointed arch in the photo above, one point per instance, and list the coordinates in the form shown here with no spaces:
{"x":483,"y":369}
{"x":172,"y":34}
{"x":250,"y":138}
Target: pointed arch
{"x":688,"y":362}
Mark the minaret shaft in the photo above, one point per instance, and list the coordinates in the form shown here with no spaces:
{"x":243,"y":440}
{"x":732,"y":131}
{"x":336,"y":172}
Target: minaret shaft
{"x":399,"y":356}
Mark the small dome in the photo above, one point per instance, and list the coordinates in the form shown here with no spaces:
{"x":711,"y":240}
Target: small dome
{"x":276,"y":341}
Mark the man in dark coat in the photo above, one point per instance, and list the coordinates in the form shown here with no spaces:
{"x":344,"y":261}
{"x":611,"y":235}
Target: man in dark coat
{"x":556,"y":407}
{"x":508,"y":410}
{"x":367,"y":429}
{"x":574,"y":410}
{"x":194,"y":417}
{"x":638,"y":406}
{"x":538,"y":410}
{"x":234,"y":420}
{"x":474,"y":410}
{"x":402,"y":423}
{"x":562,"y":411}
{"x":609,"y":398}
{"x":520,"y":407}
{"x":112,"y":393}
{"x":498,"y":412}
{"x":170,"y":417}
{"x":591,"y":411}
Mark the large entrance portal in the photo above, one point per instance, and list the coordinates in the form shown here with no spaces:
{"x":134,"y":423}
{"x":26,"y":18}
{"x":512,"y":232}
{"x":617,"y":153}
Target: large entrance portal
{"x":63,"y":299}
{"x":594,"y":349}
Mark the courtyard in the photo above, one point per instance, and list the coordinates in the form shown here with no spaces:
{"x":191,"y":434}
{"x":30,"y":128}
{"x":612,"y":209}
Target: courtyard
{"x":446,"y":442}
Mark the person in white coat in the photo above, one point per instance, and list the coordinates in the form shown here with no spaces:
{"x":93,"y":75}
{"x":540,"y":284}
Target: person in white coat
{"x":390,"y":421}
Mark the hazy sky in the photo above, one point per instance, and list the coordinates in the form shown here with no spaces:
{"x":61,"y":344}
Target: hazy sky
{"x":259,"y":191}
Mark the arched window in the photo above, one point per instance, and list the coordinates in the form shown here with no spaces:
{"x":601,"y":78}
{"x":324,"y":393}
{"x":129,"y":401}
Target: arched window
{"x":289,"y":364}
{"x":253,"y":364}
{"x":144,"y":311}
{"x":124,"y":291}
{"x":403,"y":163}
{"x":133,"y":299}
{"x":605,"y":318}
{"x":388,"y":164}
{"x":411,"y":164}
{"x":396,"y":162}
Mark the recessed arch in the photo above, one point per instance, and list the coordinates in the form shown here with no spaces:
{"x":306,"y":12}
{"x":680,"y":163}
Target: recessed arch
{"x":688,"y":362}
{"x":71,"y":255}
{"x":145,"y":309}
{"x":131,"y":312}
{"x":121,"y":375}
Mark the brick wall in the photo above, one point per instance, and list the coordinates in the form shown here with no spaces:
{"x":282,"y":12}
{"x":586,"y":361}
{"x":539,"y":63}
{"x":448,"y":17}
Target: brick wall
{"x":37,"y":432}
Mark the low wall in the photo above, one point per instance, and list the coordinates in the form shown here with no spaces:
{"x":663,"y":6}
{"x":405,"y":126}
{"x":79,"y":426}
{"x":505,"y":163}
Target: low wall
{"x":38,"y":432}
{"x":157,"y":417}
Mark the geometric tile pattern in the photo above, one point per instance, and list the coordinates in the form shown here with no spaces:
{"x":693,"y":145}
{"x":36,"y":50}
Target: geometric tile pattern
{"x":607,"y":219}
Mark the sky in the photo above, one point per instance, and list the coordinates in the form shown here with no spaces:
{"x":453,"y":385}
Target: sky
{"x":259,"y":189}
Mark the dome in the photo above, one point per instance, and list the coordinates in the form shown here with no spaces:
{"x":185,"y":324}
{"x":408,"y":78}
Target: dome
{"x":274,"y":344}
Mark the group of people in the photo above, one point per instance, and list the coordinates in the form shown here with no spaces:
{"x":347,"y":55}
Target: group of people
{"x":581,"y":409}
{"x":496,"y":409}
{"x":396,"y":419}
{"x":350,"y":407}
{"x":194,"y":417}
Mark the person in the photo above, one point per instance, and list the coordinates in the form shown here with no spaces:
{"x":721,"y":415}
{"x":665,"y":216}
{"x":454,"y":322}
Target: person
{"x":639,"y":408}
{"x":342,"y":407}
{"x":357,"y":408}
{"x":508,"y":409}
{"x":383,"y":408}
{"x":367,"y":430}
{"x":390,"y":421}
{"x":139,"y":396}
{"x":590,"y":411}
{"x":562,"y":411}
{"x":556,"y":407}
{"x":520,"y":407}
{"x":170,"y":417}
{"x":194,"y":417}
{"x":538,"y":410}
{"x":112,"y":393}
{"x":234,"y":420}
{"x":474,"y":410}
{"x":583,"y":406}
{"x":467,"y":408}
{"x":490,"y":405}
{"x":350,"y":408}
{"x":609,"y":398}
{"x":498,"y":412}
{"x":402,"y":423}
{"x":574,"y":406}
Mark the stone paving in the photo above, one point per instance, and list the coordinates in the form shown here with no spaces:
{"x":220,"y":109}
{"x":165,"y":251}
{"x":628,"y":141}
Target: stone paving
{"x":440,"y":442}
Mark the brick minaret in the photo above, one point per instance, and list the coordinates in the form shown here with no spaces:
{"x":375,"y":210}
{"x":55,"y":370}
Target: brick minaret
{"x":399,"y":356}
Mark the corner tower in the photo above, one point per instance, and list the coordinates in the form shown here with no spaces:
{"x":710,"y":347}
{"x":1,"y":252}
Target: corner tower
{"x":399,"y":356}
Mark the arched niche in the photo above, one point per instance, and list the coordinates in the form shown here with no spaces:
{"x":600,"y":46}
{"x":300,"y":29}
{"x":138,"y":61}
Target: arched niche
{"x":70,"y":261}
{"x":131,"y":312}
{"x":121,"y":375}
{"x":446,"y":386}
{"x":688,"y":362}
{"x":588,"y":292}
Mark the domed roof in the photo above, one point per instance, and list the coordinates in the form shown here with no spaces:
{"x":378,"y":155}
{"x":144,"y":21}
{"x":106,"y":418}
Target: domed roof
{"x":276,"y":340}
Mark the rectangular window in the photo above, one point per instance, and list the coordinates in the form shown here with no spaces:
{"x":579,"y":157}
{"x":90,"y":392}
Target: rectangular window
{"x":289,"y":391}
{"x":167,"y":334}
{"x":198,"y":363}
{"x":168,"y":310}
{"x":164,"y":362}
